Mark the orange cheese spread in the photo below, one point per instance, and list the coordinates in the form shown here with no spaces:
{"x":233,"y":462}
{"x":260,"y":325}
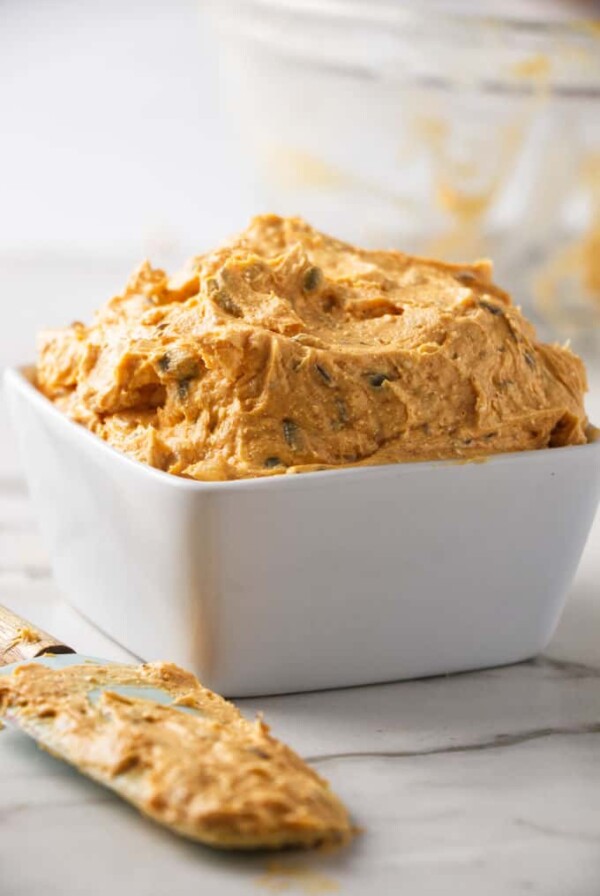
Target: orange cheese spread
{"x":286,"y":350}
{"x":194,"y":764}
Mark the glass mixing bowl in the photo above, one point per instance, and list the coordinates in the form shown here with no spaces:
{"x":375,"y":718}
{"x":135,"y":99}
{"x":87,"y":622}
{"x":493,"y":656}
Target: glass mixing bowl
{"x":428,"y":128}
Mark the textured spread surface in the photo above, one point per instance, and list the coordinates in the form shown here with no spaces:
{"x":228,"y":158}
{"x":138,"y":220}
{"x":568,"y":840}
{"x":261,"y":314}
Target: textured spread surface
{"x":195,"y":765}
{"x":287,"y":350}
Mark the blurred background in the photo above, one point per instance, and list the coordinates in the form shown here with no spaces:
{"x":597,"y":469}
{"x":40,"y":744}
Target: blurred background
{"x":110,"y":151}
{"x":154,"y":128}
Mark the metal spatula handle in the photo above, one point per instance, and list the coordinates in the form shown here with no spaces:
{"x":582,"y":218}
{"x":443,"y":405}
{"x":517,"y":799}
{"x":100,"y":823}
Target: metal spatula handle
{"x":20,"y":640}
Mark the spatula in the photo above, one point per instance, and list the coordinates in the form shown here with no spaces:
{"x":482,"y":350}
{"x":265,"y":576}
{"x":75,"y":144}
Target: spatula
{"x":178,"y":752}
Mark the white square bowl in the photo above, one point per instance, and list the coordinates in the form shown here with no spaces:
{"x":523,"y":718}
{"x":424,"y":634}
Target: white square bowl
{"x":316,"y":580}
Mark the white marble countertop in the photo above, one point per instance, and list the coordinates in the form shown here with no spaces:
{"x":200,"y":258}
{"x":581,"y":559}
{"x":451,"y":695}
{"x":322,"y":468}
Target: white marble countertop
{"x":482,"y":783}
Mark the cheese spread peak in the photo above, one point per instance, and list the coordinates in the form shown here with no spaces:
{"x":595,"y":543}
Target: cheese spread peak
{"x":286,"y":350}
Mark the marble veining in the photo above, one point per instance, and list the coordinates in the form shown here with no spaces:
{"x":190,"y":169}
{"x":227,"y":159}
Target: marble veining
{"x":500,"y":740}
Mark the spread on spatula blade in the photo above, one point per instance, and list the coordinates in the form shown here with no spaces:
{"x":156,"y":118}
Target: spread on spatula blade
{"x":191,"y":762}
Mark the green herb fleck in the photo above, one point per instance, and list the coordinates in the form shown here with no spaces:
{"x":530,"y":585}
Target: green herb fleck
{"x":493,"y":309}
{"x":312,"y":279}
{"x":342,"y":410}
{"x":376,"y":380}
{"x":183,"y":387}
{"x":226,"y":303}
{"x":290,"y":433}
{"x":323,"y":373}
{"x":256,"y":751}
